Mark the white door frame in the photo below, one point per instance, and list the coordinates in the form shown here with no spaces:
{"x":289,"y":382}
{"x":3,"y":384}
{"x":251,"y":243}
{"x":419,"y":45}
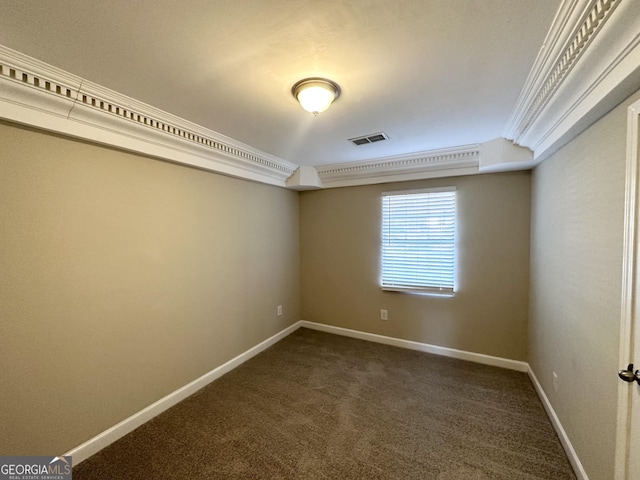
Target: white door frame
{"x":629,"y":279}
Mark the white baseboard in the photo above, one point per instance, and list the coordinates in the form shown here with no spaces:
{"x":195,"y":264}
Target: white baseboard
{"x":423,"y":347}
{"x":102,"y":440}
{"x":555,"y":421}
{"x":473,"y":357}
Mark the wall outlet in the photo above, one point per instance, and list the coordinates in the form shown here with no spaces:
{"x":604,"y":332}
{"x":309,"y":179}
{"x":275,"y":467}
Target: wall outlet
{"x":555,"y":381}
{"x":279,"y":311}
{"x":383,"y":314}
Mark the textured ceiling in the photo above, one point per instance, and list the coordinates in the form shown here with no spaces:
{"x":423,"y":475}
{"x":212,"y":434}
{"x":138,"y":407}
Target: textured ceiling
{"x":430,"y":74}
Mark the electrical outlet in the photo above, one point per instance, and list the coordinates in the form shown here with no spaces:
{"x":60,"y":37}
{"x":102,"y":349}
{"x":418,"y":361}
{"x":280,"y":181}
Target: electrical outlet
{"x":383,"y":314}
{"x":555,"y":381}
{"x":279,"y":310}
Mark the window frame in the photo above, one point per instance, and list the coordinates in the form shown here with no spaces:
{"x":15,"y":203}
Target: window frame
{"x":444,"y":291}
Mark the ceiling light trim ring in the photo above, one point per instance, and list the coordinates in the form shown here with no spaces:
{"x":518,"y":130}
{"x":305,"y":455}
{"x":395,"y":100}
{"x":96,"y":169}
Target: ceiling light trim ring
{"x":325,"y":84}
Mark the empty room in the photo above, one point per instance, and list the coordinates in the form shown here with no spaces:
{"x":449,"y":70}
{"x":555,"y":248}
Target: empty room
{"x":332,"y":239}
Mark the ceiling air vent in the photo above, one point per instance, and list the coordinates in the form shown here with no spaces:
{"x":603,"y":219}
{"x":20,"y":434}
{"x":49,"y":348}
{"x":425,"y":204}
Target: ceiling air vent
{"x":372,"y":138}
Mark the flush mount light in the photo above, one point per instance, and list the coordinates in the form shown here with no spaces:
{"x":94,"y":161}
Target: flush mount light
{"x":315,"y":94}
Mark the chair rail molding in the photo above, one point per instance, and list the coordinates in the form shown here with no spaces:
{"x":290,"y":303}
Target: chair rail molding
{"x":589,"y":62}
{"x":40,"y":95}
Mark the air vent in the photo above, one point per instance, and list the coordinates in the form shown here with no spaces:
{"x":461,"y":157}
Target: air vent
{"x":372,"y":138}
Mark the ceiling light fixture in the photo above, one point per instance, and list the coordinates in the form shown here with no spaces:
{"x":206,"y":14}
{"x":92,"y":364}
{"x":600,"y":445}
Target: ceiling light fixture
{"x":315,"y":94}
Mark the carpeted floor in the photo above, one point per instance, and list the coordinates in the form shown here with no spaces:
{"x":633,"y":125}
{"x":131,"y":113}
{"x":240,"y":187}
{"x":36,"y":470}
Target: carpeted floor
{"x":321,"y":406}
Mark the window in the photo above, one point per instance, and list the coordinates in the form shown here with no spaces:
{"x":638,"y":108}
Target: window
{"x":418,"y":240}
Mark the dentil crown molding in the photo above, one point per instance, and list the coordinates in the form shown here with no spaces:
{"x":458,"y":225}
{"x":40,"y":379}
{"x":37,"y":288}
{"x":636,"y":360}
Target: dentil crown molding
{"x":446,"y":162}
{"x":589,"y":62}
{"x":43,"y":96}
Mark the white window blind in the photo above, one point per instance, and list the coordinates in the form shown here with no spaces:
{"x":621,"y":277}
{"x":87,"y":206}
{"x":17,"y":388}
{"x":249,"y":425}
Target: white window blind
{"x":418,"y":240}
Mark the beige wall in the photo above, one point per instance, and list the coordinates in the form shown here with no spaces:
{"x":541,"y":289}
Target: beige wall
{"x":576,"y":271}
{"x":124,"y":278}
{"x":340,"y":248}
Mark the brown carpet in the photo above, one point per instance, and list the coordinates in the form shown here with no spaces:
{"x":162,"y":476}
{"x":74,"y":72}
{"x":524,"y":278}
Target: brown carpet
{"x":321,"y":406}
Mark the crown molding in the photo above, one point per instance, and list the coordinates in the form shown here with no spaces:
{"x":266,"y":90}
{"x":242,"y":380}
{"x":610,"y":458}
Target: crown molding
{"x":589,"y":62}
{"x":446,"y":162}
{"x":40,"y":95}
